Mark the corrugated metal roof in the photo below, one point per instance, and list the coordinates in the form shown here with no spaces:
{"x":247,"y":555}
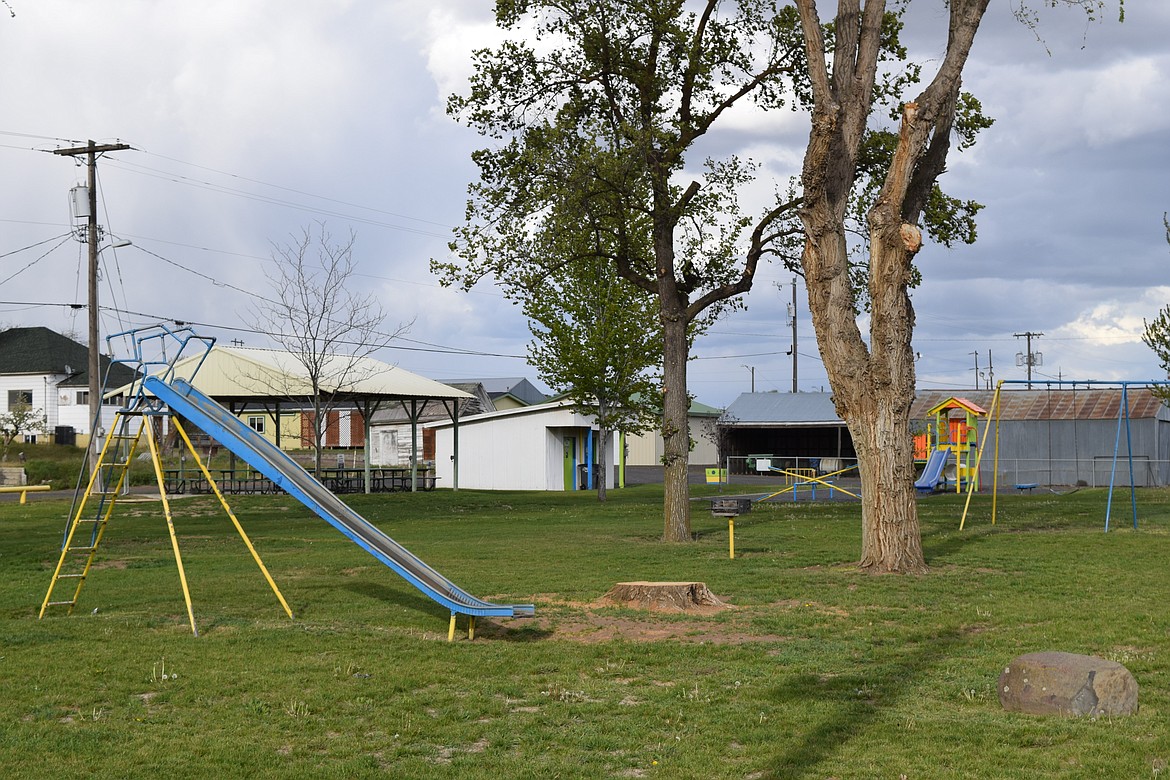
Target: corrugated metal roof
{"x":1091,"y":403}
{"x":807,"y":409}
{"x":782,"y":409}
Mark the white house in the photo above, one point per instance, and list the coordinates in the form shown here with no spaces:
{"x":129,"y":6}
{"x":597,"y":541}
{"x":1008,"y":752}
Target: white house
{"x":46,"y":370}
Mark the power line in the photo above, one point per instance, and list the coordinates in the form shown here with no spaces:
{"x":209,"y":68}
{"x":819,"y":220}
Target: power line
{"x":301,"y":192}
{"x":34,"y":246}
{"x":1031,"y":358}
{"x":152,"y":317}
{"x":176,"y":178}
{"x":31,"y":263}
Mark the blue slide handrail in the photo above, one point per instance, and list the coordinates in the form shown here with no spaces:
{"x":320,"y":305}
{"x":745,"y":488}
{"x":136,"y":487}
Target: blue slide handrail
{"x":264,"y":456}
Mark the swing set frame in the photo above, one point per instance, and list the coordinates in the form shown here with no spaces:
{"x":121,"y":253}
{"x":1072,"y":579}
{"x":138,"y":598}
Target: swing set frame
{"x":1123,"y":420}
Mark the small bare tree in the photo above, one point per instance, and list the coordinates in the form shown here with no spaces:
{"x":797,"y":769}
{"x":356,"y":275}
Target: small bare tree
{"x":328,"y":329}
{"x":21,"y":419}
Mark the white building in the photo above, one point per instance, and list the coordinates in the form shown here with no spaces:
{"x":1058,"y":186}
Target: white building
{"x":542,"y":447}
{"x":47,"y":371}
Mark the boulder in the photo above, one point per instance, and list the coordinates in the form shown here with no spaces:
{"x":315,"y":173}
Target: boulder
{"x":1067,"y":684}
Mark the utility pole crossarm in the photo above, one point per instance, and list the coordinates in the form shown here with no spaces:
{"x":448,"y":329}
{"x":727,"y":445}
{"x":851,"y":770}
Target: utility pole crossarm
{"x":92,"y":148}
{"x":1030,"y":359}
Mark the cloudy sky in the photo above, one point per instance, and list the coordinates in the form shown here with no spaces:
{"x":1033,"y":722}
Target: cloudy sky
{"x":250,"y":120}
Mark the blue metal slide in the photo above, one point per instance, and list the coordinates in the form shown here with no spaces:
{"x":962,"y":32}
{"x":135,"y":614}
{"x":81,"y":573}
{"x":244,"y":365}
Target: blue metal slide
{"x":933,"y":473}
{"x":272,"y":462}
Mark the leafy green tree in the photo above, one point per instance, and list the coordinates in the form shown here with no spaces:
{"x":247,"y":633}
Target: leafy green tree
{"x":596,"y":338}
{"x":600,"y":104}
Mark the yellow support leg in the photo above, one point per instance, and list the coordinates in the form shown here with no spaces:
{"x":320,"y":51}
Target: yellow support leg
{"x":162,"y":491}
{"x":239,"y":528}
{"x":731,"y":538}
{"x":451,"y":629}
{"x":471,"y":627}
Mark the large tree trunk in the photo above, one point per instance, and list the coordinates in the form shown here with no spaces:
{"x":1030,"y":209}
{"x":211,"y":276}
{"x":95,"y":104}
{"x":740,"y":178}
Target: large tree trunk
{"x":890,"y":534}
{"x":873,"y":385}
{"x":676,"y":440}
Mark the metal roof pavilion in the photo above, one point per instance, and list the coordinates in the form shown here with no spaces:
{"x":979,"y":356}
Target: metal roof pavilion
{"x":782,"y":410}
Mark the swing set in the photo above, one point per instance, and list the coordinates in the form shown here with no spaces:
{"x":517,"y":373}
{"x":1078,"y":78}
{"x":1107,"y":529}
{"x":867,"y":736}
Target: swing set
{"x":1123,"y":421}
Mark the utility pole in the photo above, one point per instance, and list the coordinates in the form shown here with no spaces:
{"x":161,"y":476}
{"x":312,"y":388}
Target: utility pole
{"x":990,"y":372}
{"x":976,"y":354}
{"x":91,"y":151}
{"x":792,"y":322}
{"x":1031,"y":358}
{"x":753,"y":370}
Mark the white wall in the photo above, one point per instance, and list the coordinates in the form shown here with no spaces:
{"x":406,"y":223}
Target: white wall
{"x":44,"y":397}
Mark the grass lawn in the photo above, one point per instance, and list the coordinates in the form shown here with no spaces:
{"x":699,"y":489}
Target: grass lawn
{"x":817,"y":672}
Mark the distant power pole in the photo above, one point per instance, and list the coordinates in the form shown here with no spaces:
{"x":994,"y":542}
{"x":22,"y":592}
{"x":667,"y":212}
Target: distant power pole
{"x":91,"y":151}
{"x":792,"y":322}
{"x":976,"y":354}
{"x":1030,"y":358}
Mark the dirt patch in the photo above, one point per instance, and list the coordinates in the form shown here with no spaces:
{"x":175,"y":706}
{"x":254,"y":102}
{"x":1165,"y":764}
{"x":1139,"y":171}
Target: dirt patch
{"x":591,"y":627}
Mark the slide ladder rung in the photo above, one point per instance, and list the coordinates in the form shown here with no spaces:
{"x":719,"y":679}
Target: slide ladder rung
{"x":70,"y":576}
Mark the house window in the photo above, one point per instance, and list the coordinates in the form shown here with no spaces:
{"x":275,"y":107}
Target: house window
{"x":114,"y":400}
{"x":83,"y":398}
{"x":256,"y":423}
{"x":16,"y":397}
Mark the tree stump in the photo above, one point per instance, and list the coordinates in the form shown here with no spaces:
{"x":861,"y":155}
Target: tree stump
{"x":663,"y":596}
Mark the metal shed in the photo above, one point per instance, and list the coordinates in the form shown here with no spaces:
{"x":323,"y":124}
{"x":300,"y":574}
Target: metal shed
{"x":802,"y":425}
{"x":542,"y":447}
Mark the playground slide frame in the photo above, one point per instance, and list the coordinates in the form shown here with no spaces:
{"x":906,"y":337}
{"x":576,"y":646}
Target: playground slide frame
{"x":264,"y":456}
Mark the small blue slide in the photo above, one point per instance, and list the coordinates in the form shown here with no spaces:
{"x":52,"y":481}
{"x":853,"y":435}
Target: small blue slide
{"x":285,"y":473}
{"x":932,"y":475}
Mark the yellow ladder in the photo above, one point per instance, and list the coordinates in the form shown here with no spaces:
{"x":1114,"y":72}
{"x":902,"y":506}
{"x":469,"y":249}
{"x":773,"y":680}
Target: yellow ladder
{"x":106,"y":481}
